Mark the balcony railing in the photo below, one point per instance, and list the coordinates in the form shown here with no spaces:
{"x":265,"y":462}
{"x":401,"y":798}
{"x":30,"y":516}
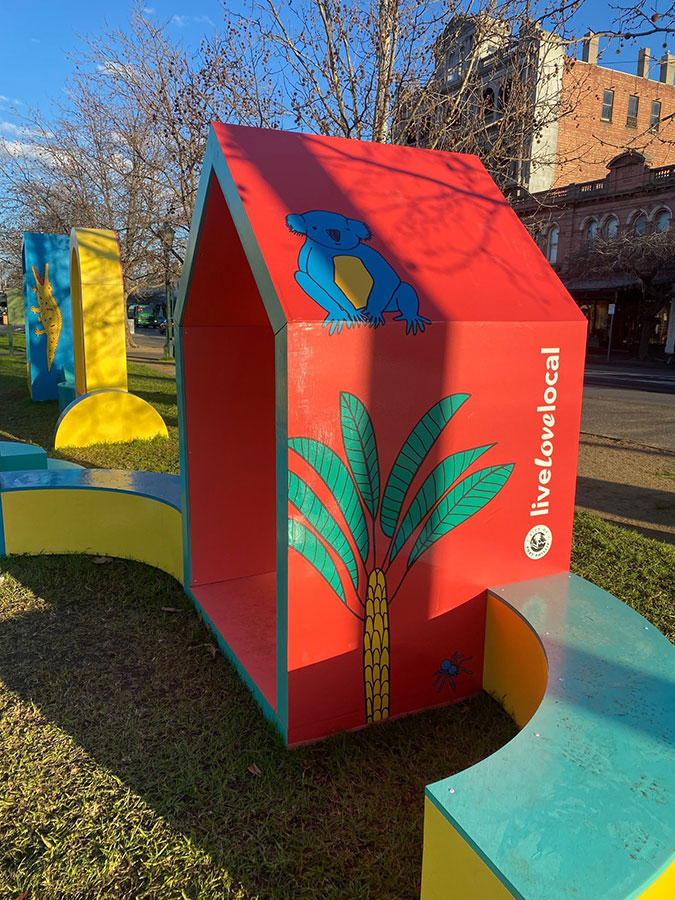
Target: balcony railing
{"x":559,"y":196}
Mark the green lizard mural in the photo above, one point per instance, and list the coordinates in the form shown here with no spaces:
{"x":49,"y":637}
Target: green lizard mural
{"x":48,"y":313}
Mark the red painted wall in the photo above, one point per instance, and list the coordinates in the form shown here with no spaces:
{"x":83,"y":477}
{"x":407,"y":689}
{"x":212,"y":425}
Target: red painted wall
{"x":489,"y":303}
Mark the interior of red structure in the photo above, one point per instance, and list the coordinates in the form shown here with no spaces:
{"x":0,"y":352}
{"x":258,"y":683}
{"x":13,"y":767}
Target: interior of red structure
{"x":228,"y":368}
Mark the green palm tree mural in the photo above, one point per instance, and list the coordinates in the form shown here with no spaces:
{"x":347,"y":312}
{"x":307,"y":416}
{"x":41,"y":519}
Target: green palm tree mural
{"x":446,"y":498}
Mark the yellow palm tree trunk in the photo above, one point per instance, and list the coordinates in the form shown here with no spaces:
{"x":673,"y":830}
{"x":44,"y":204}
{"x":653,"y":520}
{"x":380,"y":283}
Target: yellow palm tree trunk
{"x":376,"y":648}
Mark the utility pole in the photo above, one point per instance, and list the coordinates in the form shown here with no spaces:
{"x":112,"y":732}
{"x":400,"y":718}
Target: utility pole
{"x":167,"y":234}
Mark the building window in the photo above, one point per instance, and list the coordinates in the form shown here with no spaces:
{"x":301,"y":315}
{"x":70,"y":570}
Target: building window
{"x":488,"y":104}
{"x":655,"y":116}
{"x":640,"y":225}
{"x":662,"y":220}
{"x":552,"y":244}
{"x":607,"y":105}
{"x":631,"y":118}
{"x":610,"y":228}
{"x":591,"y":230}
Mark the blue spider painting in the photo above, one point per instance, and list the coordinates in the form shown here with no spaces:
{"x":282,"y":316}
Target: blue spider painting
{"x":450,"y":668}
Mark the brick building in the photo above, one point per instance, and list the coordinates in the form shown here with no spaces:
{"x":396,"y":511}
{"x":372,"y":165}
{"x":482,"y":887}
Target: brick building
{"x":582,"y":114}
{"x":634,"y":198}
{"x":614,"y":111}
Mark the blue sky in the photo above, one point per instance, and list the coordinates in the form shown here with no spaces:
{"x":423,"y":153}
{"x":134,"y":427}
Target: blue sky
{"x":38,"y":35}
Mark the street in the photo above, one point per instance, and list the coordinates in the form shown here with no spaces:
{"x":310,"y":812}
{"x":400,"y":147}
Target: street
{"x":630,"y":403}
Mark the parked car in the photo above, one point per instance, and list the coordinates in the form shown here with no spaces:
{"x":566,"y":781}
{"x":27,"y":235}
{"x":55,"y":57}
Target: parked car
{"x":162,"y":324}
{"x":145,"y":317}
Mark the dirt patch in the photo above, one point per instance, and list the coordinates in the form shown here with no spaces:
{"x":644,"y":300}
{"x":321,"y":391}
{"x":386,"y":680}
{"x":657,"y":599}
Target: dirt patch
{"x":628,"y":483}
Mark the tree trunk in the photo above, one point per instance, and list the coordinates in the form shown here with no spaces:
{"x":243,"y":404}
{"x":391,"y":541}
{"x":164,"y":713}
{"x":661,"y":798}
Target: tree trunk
{"x":645,"y":331}
{"x":129,"y":338}
{"x":376,"y":648}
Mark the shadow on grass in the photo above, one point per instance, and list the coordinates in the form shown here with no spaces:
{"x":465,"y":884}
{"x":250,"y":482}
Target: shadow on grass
{"x":654,"y":509}
{"x":138,"y":691}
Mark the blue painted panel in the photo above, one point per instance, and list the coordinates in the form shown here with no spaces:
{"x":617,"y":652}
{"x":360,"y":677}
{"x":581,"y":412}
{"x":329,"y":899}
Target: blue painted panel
{"x":581,"y":803}
{"x":146,"y":484}
{"x":49,"y":355}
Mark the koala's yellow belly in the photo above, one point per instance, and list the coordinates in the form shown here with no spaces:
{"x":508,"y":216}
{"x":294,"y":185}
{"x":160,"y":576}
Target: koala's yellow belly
{"x":353,"y":279}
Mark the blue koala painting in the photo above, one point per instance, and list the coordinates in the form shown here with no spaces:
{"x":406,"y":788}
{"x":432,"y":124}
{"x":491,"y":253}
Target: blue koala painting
{"x":352,"y":282}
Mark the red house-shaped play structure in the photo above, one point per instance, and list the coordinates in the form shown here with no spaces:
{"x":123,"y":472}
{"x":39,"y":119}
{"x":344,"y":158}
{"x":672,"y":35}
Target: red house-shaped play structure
{"x":380,"y":393}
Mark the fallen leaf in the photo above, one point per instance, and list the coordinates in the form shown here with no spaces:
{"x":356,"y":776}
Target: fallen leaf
{"x":23,"y":894}
{"x":100,"y":560}
{"x":170,"y":609}
{"x":254,"y":770}
{"x":208,"y":647}
{"x":2,"y":581}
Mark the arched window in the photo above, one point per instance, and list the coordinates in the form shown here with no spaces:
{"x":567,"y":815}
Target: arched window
{"x":488,"y":104}
{"x":504,"y":94}
{"x":552,"y":244}
{"x":611,"y":227}
{"x":591,"y":230}
{"x":640,"y":224}
{"x":662,"y":220}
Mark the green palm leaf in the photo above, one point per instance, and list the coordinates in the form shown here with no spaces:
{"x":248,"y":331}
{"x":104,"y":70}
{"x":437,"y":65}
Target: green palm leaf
{"x":435,"y":485}
{"x":412,"y":454}
{"x":466,"y":498}
{"x":359,"y":440}
{"x":302,"y":496}
{"x":338,"y":480}
{"x":309,"y":546}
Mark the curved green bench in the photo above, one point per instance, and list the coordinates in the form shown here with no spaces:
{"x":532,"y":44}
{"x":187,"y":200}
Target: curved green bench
{"x":580,"y":805}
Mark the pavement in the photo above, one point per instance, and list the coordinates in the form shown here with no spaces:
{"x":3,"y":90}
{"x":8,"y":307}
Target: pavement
{"x":626,"y":469}
{"x":631,"y":403}
{"x":150,"y":349}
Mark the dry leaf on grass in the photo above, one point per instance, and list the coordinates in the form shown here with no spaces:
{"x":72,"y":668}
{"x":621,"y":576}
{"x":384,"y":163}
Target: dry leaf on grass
{"x":170,"y":609}
{"x":254,"y":770}
{"x":100,"y":560}
{"x":210,"y":648}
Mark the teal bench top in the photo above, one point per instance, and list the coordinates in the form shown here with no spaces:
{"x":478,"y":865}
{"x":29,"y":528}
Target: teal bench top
{"x":155,"y":485}
{"x":18,"y":457}
{"x":580,"y":805}
{"x":15,"y":456}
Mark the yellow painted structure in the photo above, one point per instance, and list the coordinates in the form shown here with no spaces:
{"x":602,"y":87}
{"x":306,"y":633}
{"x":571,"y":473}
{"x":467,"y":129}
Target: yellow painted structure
{"x":103,"y":411}
{"x":451,"y":868}
{"x":515,"y":671}
{"x":353,"y":279}
{"x":107,"y":416}
{"x":102,"y":522}
{"x":663,"y":887}
{"x":97,"y":299}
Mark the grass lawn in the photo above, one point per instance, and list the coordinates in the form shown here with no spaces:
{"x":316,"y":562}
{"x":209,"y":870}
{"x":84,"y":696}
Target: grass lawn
{"x":23,"y":420}
{"x":135,"y":765}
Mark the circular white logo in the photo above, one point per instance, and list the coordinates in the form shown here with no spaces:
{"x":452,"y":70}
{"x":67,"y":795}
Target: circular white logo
{"x":538,"y":541}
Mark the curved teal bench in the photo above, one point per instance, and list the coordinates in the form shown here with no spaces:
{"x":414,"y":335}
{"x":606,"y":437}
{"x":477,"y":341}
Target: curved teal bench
{"x":580,"y":805}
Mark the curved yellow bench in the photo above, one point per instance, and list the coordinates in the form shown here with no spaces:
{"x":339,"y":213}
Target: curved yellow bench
{"x":580,"y":805}
{"x":133,"y":515}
